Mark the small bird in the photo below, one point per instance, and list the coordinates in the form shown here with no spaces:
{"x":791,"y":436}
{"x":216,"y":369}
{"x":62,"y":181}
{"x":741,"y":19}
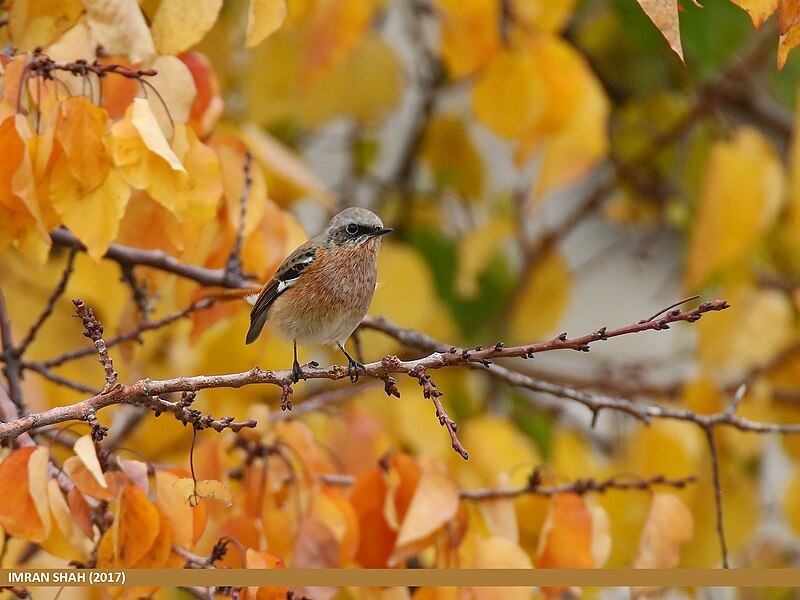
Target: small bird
{"x":323,"y":289}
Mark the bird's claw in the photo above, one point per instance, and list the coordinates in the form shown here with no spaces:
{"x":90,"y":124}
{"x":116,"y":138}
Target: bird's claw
{"x":297,"y":372}
{"x":353,"y":368}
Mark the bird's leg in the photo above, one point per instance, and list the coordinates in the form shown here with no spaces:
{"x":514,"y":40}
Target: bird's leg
{"x":297,"y":372}
{"x":353,"y":366}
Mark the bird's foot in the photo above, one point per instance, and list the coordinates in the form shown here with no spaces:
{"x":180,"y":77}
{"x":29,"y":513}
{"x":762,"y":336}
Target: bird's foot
{"x":297,"y":372}
{"x":353,"y":369}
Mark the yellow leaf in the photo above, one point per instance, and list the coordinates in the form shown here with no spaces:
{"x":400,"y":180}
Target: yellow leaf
{"x":177,"y":92}
{"x":542,"y":299}
{"x":495,"y":446}
{"x":263,"y":18}
{"x":741,"y":196}
{"x":499,"y":553}
{"x":579,"y":144}
{"x":791,"y":502}
{"x":469,"y":34}
{"x":143,"y":119}
{"x":80,"y":131}
{"x":93,"y":216}
{"x":434,"y":503}
{"x":476,"y":249}
{"x":509,"y":96}
{"x":450,"y":154}
{"x":364,"y":85}
{"x":288,"y":176}
{"x":734,"y":342}
{"x":759,"y":10}
{"x":548,"y":17}
{"x":180,"y":24}
{"x":664,"y":15}
{"x":120,"y":28}
{"x":144,"y":157}
{"x":499,"y":514}
{"x":669,"y":525}
{"x":334,"y":30}
{"x":205,"y":488}
{"x":85,"y":450}
{"x":35,"y":23}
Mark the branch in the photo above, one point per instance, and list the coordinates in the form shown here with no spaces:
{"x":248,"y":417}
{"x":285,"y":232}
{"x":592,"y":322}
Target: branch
{"x":157,"y":259}
{"x":94,"y":331}
{"x":12,"y":367}
{"x":143,"y":391}
{"x":233,"y":267}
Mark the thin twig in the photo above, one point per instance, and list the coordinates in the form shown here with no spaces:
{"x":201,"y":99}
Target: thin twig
{"x":12,"y":368}
{"x":233,"y":267}
{"x":51,"y":301}
{"x":94,"y":331}
{"x":712,"y":447}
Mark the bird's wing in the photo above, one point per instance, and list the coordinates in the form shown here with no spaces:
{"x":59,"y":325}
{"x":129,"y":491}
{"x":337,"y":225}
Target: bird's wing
{"x":284,"y":278}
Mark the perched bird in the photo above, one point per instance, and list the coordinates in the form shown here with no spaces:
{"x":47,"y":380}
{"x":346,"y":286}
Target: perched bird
{"x":323,"y":289}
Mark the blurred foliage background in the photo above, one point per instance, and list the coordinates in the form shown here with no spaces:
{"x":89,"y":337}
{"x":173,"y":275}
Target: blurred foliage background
{"x":547,"y":166}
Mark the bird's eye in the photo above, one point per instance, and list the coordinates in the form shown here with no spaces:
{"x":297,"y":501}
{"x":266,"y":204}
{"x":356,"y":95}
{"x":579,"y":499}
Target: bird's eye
{"x":352,"y":229}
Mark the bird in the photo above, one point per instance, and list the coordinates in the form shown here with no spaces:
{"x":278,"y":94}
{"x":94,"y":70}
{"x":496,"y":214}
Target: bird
{"x":323,"y":289}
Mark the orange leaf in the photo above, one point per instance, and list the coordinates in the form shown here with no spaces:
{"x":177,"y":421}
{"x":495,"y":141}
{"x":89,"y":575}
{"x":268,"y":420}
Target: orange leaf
{"x":245,"y":530}
{"x":81,"y":512}
{"x":469,"y":34}
{"x":788,"y":15}
{"x":566,"y":538}
{"x":80,"y":130}
{"x":20,"y":512}
{"x":135,"y":529}
{"x":264,"y":560}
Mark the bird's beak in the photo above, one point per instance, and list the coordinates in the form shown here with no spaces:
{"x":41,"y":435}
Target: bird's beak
{"x":382,"y":231}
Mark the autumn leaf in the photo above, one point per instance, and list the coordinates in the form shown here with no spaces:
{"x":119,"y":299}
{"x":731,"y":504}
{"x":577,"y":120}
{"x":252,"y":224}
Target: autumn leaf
{"x":469,"y":34}
{"x":664,"y":15}
{"x":741,"y":196}
{"x":669,"y":525}
{"x":85,"y":450}
{"x":23,"y":479}
{"x":450,"y":154}
{"x":120,"y":28}
{"x":759,"y":10}
{"x":35,"y":23}
{"x":542,"y":298}
{"x":180,"y":24}
{"x":263,"y":18}
{"x":134,"y":531}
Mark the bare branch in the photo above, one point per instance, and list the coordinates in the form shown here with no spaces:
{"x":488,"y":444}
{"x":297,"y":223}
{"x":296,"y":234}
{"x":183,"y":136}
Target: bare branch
{"x":94,"y":331}
{"x":51,"y":301}
{"x":12,"y":367}
{"x":233,"y":267}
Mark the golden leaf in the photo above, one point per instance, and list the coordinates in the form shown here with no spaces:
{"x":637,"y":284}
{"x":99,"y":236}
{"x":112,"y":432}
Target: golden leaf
{"x":180,"y":24}
{"x":509,"y":96}
{"x":669,"y":525}
{"x":263,"y":19}
{"x":741,"y":197}
{"x":759,"y":10}
{"x":35,"y":23}
{"x":469,"y":34}
{"x":120,"y":28}
{"x":449,"y":152}
{"x":85,"y":450}
{"x":542,"y":299}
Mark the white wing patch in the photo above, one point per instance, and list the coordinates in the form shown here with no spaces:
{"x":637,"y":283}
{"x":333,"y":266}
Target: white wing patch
{"x":286,"y":284}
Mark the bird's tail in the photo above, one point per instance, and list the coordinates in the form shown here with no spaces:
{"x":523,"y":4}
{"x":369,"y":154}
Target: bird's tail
{"x":227,"y":294}
{"x":256,"y":325}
